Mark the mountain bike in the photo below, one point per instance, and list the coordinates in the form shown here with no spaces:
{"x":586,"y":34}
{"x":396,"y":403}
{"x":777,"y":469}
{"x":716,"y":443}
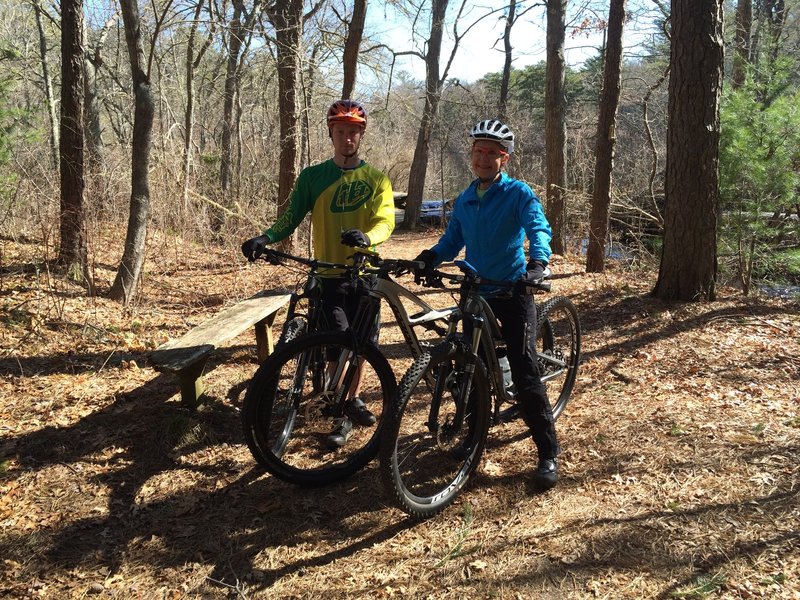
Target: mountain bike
{"x":435,"y":434}
{"x":300,"y":391}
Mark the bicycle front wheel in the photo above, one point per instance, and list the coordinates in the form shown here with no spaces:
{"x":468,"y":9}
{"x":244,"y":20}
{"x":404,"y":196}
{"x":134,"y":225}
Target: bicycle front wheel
{"x":429,"y":452}
{"x":292,"y":329}
{"x":290,"y":410}
{"x":558,"y":346}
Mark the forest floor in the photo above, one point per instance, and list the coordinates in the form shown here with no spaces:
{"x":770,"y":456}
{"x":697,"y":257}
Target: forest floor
{"x":680,"y":474}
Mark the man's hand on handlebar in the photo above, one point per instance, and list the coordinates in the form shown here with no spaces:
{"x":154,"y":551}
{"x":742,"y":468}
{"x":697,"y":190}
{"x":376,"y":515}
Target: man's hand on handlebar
{"x":355,"y":238}
{"x":254,"y":247}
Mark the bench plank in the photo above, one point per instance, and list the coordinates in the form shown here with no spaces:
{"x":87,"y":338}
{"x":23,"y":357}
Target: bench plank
{"x":188,"y":354}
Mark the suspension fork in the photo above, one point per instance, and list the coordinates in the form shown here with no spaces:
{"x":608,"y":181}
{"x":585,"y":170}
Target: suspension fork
{"x":348,"y":364}
{"x":464,"y":386}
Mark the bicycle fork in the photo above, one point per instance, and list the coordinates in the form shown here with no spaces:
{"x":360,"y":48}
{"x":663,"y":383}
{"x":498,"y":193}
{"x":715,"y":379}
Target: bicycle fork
{"x":449,"y":378}
{"x":343,"y":374}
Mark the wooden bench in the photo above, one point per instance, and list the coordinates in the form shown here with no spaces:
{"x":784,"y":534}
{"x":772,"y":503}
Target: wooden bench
{"x":187,"y":355}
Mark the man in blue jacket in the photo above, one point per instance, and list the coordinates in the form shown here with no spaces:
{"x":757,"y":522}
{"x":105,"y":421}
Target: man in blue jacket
{"x":491,"y":218}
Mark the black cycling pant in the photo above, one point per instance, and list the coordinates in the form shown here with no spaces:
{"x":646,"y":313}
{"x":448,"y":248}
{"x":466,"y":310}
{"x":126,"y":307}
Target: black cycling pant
{"x":517,"y":318}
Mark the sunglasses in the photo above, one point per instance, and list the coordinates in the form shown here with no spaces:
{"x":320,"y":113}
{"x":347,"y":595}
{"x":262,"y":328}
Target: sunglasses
{"x":489,"y":153}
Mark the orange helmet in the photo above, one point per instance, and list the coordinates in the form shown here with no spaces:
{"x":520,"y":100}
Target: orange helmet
{"x":347,"y":111}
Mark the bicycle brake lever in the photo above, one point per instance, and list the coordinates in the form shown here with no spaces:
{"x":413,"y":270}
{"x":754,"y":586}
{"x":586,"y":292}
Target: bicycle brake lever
{"x":269,"y":256}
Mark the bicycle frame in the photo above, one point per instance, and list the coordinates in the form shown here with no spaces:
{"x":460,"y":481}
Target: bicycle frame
{"x":391,"y":291}
{"x":485,"y":334}
{"x":385,"y":288}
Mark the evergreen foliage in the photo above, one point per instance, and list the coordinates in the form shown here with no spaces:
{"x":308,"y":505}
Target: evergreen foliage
{"x":759,"y":177}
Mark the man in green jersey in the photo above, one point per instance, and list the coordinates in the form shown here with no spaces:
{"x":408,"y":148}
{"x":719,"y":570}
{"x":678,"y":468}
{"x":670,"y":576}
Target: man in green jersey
{"x":351,"y":205}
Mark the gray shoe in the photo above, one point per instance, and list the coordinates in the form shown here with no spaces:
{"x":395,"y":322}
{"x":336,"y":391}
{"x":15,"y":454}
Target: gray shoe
{"x":341,"y":433}
{"x":546,"y":474}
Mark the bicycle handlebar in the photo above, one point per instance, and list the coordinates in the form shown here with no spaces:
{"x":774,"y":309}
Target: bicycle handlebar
{"x":424,"y":275}
{"x":363,"y":258}
{"x":432,"y":277}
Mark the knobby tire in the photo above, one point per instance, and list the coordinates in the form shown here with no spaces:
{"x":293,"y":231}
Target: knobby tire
{"x":423,"y":470}
{"x":287,"y":434}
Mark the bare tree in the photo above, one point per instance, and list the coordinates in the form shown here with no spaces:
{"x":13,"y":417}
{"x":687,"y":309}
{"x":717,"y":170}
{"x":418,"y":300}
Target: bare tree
{"x":126,"y":281}
{"x":741,"y":41}
{"x":606,"y":138}
{"x":72,"y":253}
{"x":241,"y":25}
{"x":434,"y":84}
{"x":555,"y":124}
{"x":689,"y":256}
{"x":94,"y":131}
{"x":510,"y":18}
{"x":47,"y":81}
{"x":286,"y":17}
{"x":192,"y":62}
{"x":433,"y":93}
{"x":355,"y":32}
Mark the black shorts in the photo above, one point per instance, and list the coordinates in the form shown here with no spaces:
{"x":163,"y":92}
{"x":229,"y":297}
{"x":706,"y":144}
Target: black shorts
{"x":340,"y":303}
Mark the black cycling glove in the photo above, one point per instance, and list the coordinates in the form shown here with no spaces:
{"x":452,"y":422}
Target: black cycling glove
{"x":254,"y":247}
{"x":355,"y":238}
{"x":534,"y":271}
{"x":428,"y":257}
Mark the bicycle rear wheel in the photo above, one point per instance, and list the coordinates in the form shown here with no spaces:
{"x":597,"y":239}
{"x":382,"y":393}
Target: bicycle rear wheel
{"x":558,"y":346}
{"x":426,"y":456}
{"x":290,"y":410}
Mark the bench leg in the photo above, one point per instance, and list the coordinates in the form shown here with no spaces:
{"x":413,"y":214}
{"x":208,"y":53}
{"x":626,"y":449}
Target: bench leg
{"x":191,"y":383}
{"x":264,"y":342}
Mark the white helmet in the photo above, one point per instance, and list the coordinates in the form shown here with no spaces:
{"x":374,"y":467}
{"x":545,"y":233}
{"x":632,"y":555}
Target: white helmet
{"x":494,"y":130}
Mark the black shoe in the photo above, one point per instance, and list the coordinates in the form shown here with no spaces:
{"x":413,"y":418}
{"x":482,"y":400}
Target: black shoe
{"x":546,"y":474}
{"x":341,"y":433}
{"x":358,"y":412}
{"x":509,"y":414}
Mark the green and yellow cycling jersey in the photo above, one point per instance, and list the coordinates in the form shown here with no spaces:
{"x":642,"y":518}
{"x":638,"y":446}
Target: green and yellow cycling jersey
{"x":339,"y":199}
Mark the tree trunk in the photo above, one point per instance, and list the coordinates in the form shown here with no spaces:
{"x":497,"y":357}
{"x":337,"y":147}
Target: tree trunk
{"x":94,"y":137}
{"x":351,"y":46}
{"x":72,"y":253}
{"x":229,"y":97}
{"x":689,"y":255}
{"x":130,"y":268}
{"x":286,"y":17}
{"x":308,"y":81}
{"x":47,"y":83}
{"x":606,"y":138}
{"x":555,"y":124}
{"x":188,"y":117}
{"x":504,"y":82}
{"x":433,"y":93}
{"x":741,"y":42}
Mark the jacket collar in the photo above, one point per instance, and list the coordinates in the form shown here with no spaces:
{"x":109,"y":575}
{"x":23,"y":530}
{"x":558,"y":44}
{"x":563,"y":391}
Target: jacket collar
{"x":491,"y":191}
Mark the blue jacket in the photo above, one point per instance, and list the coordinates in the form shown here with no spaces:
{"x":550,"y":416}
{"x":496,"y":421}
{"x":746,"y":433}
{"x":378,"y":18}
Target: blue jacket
{"x":493,"y":229}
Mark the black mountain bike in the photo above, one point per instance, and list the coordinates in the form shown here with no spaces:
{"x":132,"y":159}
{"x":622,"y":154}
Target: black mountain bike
{"x":436,"y":431}
{"x":297,"y":394}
